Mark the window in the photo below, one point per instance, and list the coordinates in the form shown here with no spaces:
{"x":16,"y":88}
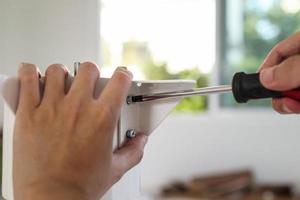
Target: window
{"x":161,"y":39}
{"x":252,"y":28}
{"x":175,"y":39}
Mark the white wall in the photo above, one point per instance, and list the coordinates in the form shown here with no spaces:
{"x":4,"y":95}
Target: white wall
{"x":46,"y":32}
{"x":188,"y":145}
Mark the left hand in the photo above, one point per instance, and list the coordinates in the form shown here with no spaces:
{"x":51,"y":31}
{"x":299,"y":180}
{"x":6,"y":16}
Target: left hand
{"x":63,"y":140}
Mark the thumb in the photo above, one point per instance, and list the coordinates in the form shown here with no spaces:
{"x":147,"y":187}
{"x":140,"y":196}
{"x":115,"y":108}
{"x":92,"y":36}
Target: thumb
{"x":282,"y":77}
{"x":128,"y":156}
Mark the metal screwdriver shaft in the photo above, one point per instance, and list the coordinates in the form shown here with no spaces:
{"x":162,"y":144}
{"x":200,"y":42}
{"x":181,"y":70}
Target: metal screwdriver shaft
{"x":182,"y":93}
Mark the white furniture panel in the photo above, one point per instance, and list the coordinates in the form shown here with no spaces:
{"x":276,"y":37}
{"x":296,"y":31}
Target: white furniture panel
{"x":143,"y":117}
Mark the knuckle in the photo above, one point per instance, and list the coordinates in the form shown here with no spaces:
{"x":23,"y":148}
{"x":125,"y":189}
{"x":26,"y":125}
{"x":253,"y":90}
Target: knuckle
{"x":139,"y":157}
{"x":289,"y":70}
{"x":293,"y":61}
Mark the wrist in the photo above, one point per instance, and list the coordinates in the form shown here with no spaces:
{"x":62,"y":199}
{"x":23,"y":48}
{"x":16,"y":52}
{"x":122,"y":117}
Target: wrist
{"x":51,"y":191}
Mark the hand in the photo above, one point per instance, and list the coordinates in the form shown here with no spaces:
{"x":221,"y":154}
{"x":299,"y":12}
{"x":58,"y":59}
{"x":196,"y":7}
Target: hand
{"x":281,"y":72}
{"x":63,"y":141}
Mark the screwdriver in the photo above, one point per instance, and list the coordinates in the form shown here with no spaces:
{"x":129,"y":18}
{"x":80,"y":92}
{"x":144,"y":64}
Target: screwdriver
{"x":244,"y":87}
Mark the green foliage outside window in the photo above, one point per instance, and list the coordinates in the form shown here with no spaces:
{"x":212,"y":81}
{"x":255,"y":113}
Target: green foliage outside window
{"x":191,"y":104}
{"x":263,"y":27}
{"x":138,"y":53}
{"x":264,"y":24}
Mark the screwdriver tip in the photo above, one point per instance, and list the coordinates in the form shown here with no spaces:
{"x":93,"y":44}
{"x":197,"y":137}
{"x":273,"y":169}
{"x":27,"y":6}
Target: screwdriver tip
{"x":134,"y":99}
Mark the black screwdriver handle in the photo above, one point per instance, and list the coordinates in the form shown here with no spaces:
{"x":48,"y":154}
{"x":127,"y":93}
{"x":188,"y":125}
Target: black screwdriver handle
{"x":247,"y":86}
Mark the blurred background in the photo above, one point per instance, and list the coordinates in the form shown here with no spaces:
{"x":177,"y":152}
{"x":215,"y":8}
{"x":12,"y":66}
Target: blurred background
{"x":207,"y":41}
{"x":203,"y":40}
{"x":183,"y":39}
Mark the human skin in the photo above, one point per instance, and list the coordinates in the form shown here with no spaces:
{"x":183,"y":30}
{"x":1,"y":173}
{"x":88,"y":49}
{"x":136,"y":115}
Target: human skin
{"x":63,"y":140}
{"x":281,"y":72}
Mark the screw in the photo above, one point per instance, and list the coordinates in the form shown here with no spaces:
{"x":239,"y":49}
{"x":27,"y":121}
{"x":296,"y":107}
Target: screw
{"x":129,"y":100}
{"x":131,"y":133}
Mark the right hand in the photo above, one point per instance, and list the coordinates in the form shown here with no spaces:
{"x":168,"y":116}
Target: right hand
{"x":281,"y":72}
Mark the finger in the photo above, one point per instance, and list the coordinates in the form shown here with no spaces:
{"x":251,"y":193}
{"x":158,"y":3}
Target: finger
{"x":129,"y":155}
{"x":55,"y":83}
{"x":84,"y":82}
{"x":29,"y":87}
{"x":115,"y":92}
{"x":282,"y":77}
{"x":286,"y":106}
{"x":284,"y":49}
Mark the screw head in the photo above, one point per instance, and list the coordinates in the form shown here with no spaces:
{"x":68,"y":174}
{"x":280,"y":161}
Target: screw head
{"x":129,"y":100}
{"x":131,"y":133}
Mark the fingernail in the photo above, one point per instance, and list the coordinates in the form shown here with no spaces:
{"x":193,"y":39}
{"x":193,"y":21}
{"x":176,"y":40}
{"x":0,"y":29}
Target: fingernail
{"x":124,"y":70}
{"x":286,"y":109}
{"x":123,"y":67}
{"x":267,"y":75}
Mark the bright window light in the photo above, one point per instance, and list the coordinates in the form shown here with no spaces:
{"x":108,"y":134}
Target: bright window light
{"x":180,"y":33}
